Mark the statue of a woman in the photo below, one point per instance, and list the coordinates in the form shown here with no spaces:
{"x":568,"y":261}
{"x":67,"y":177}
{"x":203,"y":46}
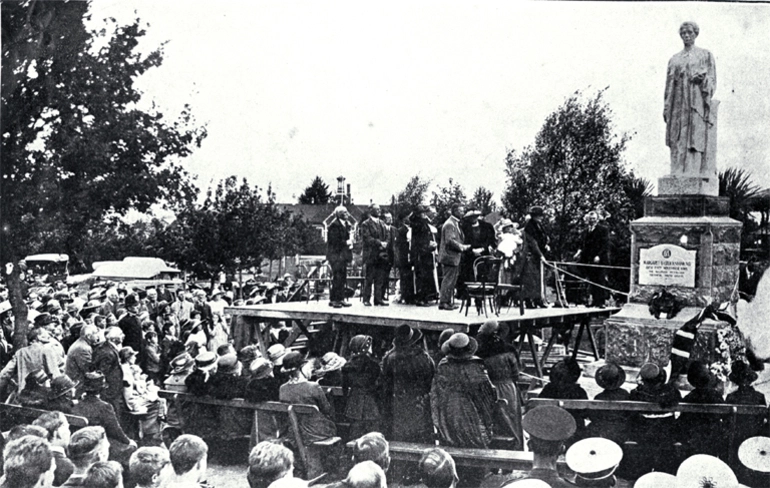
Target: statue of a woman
{"x":689,"y":112}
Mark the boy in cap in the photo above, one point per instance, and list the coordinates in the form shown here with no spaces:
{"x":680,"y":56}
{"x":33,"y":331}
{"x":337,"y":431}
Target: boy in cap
{"x":594,"y":461}
{"x":549,"y":428}
{"x":610,"y":425}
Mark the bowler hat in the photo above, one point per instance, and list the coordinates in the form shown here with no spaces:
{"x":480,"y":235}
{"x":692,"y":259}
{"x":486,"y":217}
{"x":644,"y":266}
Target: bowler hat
{"x":460,"y":345}
{"x":610,"y":376}
{"x":131,"y":300}
{"x":649,"y":372}
{"x":260,"y":368}
{"x":61,"y":385}
{"x":594,"y":458}
{"x":94,"y":382}
{"x":405,"y":335}
{"x":741,"y":374}
{"x":549,"y":423}
{"x":292,"y":361}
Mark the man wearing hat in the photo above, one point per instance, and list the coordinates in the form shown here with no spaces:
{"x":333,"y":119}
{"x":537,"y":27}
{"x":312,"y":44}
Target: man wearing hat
{"x":80,"y":354}
{"x":61,"y":395}
{"x":339,"y":254}
{"x":533,"y":252}
{"x":549,"y":428}
{"x":132,"y":327}
{"x":107,"y":361}
{"x":595,"y":251}
{"x":401,"y":242}
{"x":37,"y":355}
{"x":407,"y":375}
{"x":36,"y":390}
{"x":594,"y":461}
{"x":480,"y":236}
{"x":375,"y":235}
{"x":449,"y":255}
{"x":422,"y":254}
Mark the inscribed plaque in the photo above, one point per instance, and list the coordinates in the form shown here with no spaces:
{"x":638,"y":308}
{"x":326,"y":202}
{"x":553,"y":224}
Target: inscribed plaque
{"x":667,"y":265}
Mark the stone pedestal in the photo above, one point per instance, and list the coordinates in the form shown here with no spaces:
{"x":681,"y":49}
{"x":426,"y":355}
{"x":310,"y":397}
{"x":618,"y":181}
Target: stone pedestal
{"x":697,"y":223}
{"x":688,"y":185}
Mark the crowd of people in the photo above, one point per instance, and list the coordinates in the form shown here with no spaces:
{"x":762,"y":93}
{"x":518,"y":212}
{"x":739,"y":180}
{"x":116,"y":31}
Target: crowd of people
{"x":418,"y":252}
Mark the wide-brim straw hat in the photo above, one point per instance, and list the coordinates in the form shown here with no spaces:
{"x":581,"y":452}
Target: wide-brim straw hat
{"x":460,"y":346}
{"x":61,"y":385}
{"x":183,"y":363}
{"x":330,"y":362}
{"x":695,"y":469}
{"x":754,"y":453}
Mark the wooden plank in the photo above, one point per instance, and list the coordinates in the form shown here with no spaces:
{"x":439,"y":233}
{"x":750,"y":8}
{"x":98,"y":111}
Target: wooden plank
{"x":629,"y":406}
{"x":33,"y":413}
{"x":482,"y":458}
{"x":240,"y":403}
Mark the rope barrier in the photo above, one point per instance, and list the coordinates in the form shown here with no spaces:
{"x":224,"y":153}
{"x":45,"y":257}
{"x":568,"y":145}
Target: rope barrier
{"x":591,"y":265}
{"x":559,"y":270}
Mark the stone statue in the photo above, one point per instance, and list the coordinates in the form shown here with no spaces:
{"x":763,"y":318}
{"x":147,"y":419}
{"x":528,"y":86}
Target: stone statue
{"x":690,"y":111}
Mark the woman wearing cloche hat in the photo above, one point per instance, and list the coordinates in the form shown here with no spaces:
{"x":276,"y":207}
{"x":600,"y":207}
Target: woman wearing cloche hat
{"x":360,"y":377}
{"x":463,"y":399}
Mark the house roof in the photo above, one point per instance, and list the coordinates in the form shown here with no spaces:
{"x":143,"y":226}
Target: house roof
{"x":133,"y":267}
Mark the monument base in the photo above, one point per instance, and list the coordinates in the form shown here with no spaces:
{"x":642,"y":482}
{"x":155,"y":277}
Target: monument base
{"x":688,"y":185}
{"x":635,"y":337}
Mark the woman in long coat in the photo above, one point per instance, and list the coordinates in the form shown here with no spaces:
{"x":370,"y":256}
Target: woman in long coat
{"x":360,"y":382}
{"x":502,"y":367}
{"x":407,"y":374}
{"x":533,"y":251}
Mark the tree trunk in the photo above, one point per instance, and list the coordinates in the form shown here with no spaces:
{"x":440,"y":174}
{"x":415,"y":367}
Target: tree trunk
{"x":16,"y":291}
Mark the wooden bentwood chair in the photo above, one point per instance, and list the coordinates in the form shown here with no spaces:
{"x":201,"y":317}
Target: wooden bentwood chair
{"x":483,"y":290}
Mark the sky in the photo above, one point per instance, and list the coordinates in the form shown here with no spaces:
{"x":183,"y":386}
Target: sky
{"x":379,"y":92}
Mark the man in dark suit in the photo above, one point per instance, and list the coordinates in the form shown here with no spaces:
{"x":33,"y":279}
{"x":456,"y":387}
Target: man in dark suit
{"x":595,"y":251}
{"x":480,"y":235}
{"x":107,"y":362}
{"x":132,"y":327}
{"x":339,"y":255}
{"x":449,"y":254}
{"x":80,"y":354}
{"x":375,"y":235}
{"x":422,"y":254}
{"x":401,"y":257}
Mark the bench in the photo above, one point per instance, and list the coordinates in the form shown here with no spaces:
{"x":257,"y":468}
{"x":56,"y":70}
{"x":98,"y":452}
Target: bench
{"x":27,"y":413}
{"x":729,"y":412}
{"x":292,"y":411}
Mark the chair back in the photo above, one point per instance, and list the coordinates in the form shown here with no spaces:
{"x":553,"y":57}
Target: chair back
{"x":486,"y":269}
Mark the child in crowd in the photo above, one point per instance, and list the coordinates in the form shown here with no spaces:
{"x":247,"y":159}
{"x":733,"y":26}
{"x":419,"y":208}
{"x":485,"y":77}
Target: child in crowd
{"x":564,"y":386}
{"x":701,"y":432}
{"x":610,"y":425}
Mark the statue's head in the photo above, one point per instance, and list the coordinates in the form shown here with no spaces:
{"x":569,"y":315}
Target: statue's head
{"x":688,"y":31}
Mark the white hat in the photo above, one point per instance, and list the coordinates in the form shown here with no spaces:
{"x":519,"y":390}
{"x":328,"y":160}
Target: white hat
{"x":5,"y":306}
{"x":754,"y":453}
{"x":655,"y":480}
{"x":528,"y":483}
{"x":594,"y":458}
{"x":695,"y":470}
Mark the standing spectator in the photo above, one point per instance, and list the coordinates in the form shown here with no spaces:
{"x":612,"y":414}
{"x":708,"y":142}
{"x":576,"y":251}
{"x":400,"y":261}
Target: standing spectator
{"x":595,"y":251}
{"x":339,"y":254}
{"x":111,"y":304}
{"x":536,"y":245}
{"x":437,"y":469}
{"x":407,"y":374}
{"x":375,"y":235}
{"x":87,"y":446}
{"x":62,"y":395}
{"x":480,"y":236}
{"x":150,"y":467}
{"x":107,"y":361}
{"x":151,"y":303}
{"x":189,"y":456}
{"x":360,"y":384}
{"x":269,"y":462}
{"x":312,"y":427}
{"x":401,"y":261}
{"x":182,"y":308}
{"x":99,"y":412}
{"x":548,"y":428}
{"x":219,"y":329}
{"x":29,"y":463}
{"x":38,"y":355}
{"x":59,"y":438}
{"x":449,"y":256}
{"x":204,"y":310}
{"x":422,"y":255}
{"x":502,"y":366}
{"x":104,"y":474}
{"x":132,"y":326}
{"x":81,"y":352}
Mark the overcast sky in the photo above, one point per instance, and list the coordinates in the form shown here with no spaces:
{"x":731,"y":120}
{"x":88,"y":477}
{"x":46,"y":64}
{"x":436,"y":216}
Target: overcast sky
{"x":382,"y":91}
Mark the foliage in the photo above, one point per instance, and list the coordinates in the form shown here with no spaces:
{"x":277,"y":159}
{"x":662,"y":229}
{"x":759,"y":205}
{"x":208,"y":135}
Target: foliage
{"x":576,"y":166}
{"x":444,"y":198}
{"x":482,"y":200}
{"x":75,"y":144}
{"x":316,"y":194}
{"x":413,"y":195}
{"x":737,"y":185}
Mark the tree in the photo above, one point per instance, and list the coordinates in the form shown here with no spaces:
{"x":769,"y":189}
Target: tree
{"x":444,"y":198}
{"x":482,"y":200}
{"x":316,"y":194}
{"x":75,"y":144}
{"x":737,"y":185}
{"x":413,"y":195}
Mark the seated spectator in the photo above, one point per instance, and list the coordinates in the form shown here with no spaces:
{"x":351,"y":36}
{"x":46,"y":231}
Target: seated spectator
{"x":36,"y":391}
{"x":262,"y":386}
{"x":104,"y":474}
{"x":189,"y":456}
{"x":225,"y":349}
{"x":437,"y":469}
{"x":150,"y":467}
{"x":198,"y":381}
{"x":137,"y":393}
{"x":29,"y":463}
{"x":594,"y":461}
{"x":19,"y":431}
{"x":754,"y":467}
{"x":246,"y":356}
{"x":99,"y":412}
{"x":564,"y":386}
{"x":609,"y":425}
{"x":328,"y":369}
{"x":701,"y":432}
{"x":548,"y":428}
{"x":269,"y":462}
{"x":59,"y":438}
{"x":275,"y":355}
{"x":654,"y":388}
{"x":312,"y":427}
{"x":227,"y":382}
{"x":750,"y":425}
{"x":366,"y":475}
{"x":181,"y":367}
{"x":62,"y":395}
{"x":372,"y":447}
{"x":87,"y":446}
{"x":360,"y":384}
